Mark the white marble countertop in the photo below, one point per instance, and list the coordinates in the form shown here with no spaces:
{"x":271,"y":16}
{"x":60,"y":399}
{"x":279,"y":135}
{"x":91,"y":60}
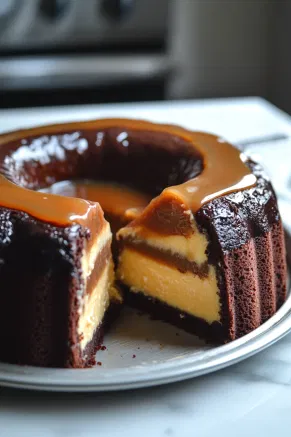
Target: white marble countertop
{"x":252,"y":398}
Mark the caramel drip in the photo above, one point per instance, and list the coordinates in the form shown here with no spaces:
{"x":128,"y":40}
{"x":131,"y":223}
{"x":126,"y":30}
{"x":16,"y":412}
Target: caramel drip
{"x":52,"y":208}
{"x":116,"y":200}
{"x":224,"y":172}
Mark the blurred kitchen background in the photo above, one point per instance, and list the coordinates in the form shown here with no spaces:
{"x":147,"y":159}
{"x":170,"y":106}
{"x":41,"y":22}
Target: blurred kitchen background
{"x":58,"y":52}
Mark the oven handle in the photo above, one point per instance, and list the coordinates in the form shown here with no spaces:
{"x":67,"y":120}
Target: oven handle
{"x":66,"y":71}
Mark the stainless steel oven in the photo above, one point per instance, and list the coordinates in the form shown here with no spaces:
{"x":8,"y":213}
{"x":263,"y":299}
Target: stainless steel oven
{"x":64,"y":44}
{"x":71,"y":51}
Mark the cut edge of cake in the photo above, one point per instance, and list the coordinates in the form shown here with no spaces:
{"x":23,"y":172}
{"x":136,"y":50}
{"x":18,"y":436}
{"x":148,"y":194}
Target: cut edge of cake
{"x":97,"y":299}
{"x":183,"y":267}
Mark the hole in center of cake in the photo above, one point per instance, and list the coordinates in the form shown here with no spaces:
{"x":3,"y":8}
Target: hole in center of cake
{"x":119,"y":202}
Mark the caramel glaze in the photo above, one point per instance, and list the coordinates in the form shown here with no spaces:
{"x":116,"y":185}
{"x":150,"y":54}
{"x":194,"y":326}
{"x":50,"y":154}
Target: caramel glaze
{"x":183,"y":168}
{"x":119,"y":202}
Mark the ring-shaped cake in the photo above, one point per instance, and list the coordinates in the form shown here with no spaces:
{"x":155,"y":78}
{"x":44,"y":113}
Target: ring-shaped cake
{"x":203,"y":250}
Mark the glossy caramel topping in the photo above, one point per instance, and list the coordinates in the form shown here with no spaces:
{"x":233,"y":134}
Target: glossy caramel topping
{"x":116,"y":200}
{"x":223,"y":171}
{"x":51,"y":208}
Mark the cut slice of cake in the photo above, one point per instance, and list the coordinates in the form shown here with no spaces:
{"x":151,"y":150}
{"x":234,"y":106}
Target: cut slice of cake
{"x":163,"y":264}
{"x":207,"y":254}
{"x":219,"y":272}
{"x":98,"y":291}
{"x":60,"y":284}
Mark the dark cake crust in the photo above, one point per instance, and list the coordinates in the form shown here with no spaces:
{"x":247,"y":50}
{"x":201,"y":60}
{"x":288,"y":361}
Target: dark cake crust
{"x":39,"y":272}
{"x":40,"y":263}
{"x":214,"y":332}
{"x":247,"y":247}
{"x":93,"y":346}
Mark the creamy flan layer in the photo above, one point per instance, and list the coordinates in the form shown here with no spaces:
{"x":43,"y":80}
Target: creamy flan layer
{"x":184,"y":291}
{"x":94,"y":306}
{"x":193,"y":248}
{"x":99,"y":290}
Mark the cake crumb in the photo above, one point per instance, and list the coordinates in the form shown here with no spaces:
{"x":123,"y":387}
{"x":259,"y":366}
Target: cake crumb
{"x":99,"y":363}
{"x":103,"y":348}
{"x":133,"y":356}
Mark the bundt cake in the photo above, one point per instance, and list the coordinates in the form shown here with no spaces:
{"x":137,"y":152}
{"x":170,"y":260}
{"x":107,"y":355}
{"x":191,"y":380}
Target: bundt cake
{"x":198,"y":239}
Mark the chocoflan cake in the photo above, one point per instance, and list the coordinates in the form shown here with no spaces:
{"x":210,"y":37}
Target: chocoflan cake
{"x":199,"y":237}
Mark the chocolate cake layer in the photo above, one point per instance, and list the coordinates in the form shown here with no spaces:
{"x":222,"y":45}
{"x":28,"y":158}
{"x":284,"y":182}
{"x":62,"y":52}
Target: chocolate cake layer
{"x":214,"y":208}
{"x":42,"y":277}
{"x":39,"y":282}
{"x":167,"y":257}
{"x":100,"y":263}
{"x":245,"y":246}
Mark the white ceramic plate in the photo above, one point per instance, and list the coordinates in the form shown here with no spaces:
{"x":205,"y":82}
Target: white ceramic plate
{"x":141,"y":352}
